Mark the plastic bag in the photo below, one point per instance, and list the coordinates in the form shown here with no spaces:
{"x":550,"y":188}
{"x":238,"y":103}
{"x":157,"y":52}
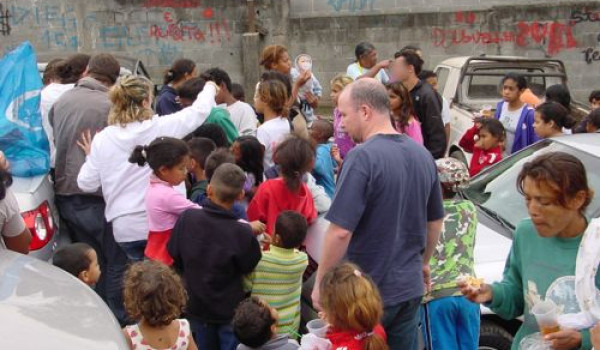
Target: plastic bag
{"x":22,"y":138}
{"x":312,"y":342}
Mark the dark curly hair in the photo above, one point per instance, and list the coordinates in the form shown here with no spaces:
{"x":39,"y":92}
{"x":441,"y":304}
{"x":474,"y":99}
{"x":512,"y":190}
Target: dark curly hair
{"x":252,"y":322}
{"x":154,"y":292}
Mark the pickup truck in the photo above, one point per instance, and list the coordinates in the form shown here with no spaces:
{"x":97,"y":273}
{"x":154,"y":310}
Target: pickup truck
{"x":469,"y":83}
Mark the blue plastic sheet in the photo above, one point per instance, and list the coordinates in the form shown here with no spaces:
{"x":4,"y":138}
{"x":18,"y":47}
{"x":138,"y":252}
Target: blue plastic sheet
{"x":22,"y":137}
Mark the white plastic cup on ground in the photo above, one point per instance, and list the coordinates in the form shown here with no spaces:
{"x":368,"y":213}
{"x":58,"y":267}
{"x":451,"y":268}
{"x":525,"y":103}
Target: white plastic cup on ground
{"x":546,"y":316}
{"x":317,"y":327}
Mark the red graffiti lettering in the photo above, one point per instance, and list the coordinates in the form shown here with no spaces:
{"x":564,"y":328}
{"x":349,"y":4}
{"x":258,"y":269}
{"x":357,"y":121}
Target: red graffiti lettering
{"x":460,"y":17}
{"x":558,"y":35}
{"x":167,"y":17}
{"x":173,"y":3}
{"x":208,"y":13}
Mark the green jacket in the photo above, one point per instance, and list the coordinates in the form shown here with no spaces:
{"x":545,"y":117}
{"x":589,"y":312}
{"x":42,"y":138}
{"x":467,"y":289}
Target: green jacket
{"x":220,"y":117}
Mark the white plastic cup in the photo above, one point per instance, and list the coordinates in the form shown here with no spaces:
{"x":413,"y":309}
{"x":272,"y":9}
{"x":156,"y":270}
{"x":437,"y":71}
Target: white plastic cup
{"x":317,"y":327}
{"x":546,"y":316}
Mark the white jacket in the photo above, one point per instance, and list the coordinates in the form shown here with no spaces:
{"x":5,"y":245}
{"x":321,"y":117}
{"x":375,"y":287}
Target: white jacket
{"x":124,"y":184}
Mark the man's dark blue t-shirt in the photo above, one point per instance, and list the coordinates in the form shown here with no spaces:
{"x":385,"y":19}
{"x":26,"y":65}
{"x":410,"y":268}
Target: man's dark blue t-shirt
{"x":387,"y":192}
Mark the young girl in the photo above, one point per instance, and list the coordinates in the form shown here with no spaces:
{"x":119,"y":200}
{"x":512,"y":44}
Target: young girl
{"x":343,"y":141}
{"x":402,"y":113}
{"x":295,"y":157}
{"x":155,"y":297}
{"x":484,"y":140}
{"x":353,"y":308}
{"x":551,"y":118}
{"x":515,"y":115}
{"x":272,"y":103}
{"x":181,"y":71}
{"x":249,"y":155}
{"x":168,"y":158}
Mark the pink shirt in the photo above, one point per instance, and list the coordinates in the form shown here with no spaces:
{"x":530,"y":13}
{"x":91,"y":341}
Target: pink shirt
{"x":412,"y":130}
{"x":164,"y":204}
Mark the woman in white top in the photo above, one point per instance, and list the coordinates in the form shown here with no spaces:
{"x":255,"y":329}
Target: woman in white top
{"x":132,"y":122}
{"x":366,"y":65}
{"x":271,"y":101}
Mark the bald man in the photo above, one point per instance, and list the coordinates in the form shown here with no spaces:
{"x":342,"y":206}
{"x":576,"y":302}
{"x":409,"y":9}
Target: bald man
{"x":387,"y":212}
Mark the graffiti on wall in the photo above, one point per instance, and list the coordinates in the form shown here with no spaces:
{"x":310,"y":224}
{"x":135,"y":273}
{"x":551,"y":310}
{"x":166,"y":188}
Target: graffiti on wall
{"x":351,"y":5}
{"x":556,"y":35}
{"x":213,"y":30}
{"x":4,"y":21}
{"x":590,"y":54}
{"x":58,"y":25}
{"x":173,"y":3}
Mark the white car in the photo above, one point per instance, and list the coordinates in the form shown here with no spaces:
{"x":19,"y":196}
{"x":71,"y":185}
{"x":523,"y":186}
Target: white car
{"x":500,"y":208}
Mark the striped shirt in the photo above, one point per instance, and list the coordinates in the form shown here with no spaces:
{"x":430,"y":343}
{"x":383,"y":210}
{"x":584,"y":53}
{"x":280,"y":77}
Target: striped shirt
{"x":277,"y":279}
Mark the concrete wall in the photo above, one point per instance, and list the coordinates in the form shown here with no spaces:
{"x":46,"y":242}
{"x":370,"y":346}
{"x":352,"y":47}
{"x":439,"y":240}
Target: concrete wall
{"x":210,"y":31}
{"x":329,"y":30}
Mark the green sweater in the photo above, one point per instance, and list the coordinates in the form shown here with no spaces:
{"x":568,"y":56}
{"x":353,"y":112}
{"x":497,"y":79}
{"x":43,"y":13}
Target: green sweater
{"x":537,"y":268}
{"x":220,"y":117}
{"x":277,"y":279}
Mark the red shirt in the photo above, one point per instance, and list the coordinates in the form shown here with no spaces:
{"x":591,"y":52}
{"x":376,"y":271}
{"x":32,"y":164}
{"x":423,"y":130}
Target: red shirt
{"x":352,"y":340}
{"x":273,"y":197}
{"x":481,"y":158}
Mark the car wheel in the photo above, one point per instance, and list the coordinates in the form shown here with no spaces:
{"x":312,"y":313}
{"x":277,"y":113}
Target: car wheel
{"x":457,"y":154}
{"x":494,"y":337}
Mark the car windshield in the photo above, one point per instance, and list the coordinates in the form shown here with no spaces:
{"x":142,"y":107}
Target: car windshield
{"x":495,"y":191}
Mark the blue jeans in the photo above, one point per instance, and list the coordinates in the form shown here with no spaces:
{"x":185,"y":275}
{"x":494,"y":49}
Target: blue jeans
{"x":450,"y":323}
{"x":83,"y":217}
{"x":213,"y":336}
{"x":134,"y":250}
{"x":401,"y":323}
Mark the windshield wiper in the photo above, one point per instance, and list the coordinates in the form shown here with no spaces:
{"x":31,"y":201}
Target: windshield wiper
{"x":503,"y":222}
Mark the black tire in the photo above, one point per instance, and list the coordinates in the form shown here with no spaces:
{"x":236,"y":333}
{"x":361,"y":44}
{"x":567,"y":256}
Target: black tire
{"x":494,"y":337}
{"x":457,"y":154}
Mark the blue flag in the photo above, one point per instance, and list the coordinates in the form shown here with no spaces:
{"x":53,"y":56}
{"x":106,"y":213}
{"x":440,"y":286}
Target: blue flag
{"x":22,"y":138}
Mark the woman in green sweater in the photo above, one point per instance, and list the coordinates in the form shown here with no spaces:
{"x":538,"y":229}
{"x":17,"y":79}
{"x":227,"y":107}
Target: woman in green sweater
{"x":542,"y":260}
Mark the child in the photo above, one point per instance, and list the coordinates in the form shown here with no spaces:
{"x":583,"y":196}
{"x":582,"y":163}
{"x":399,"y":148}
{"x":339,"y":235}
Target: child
{"x":593,"y":124}
{"x":310,"y":92}
{"x":213,"y":132}
{"x":155,"y":297}
{"x":551,"y":118}
{"x":450,"y":320}
{"x":200,"y":149}
{"x":402,"y":113}
{"x":214,"y":251}
{"x":484,"y":140}
{"x":325,"y":164}
{"x":594,"y":100}
{"x":188,"y":92}
{"x":255,"y":325}
{"x":342,"y":140}
{"x":249,"y":155}
{"x":277,"y":279}
{"x":272,"y":103}
{"x":515,"y":116}
{"x":295,"y":156}
{"x":237,"y":90}
{"x":80,"y":260}
{"x":168,"y":158}
{"x":353,"y":308}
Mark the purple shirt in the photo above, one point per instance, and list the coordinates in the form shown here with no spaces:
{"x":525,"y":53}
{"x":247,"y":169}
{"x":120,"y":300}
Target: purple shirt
{"x":342,"y":139}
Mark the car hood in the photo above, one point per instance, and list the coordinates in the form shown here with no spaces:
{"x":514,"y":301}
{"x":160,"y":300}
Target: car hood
{"x":491,"y":251}
{"x":47,"y":308}
{"x":27,"y":184}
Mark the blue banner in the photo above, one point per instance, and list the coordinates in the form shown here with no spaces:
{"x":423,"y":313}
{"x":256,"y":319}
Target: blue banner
{"x":22,"y":138}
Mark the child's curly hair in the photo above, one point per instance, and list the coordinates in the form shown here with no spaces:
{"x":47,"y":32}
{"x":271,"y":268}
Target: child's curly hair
{"x":154,"y":292}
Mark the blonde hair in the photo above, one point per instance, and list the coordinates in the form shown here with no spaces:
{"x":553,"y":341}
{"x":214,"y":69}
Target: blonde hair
{"x":275,"y":95}
{"x":341,"y":81}
{"x":352,"y":302}
{"x":128,"y":96}
{"x":154,"y":292}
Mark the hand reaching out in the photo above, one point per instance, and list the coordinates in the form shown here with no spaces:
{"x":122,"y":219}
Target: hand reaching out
{"x":85,"y":142}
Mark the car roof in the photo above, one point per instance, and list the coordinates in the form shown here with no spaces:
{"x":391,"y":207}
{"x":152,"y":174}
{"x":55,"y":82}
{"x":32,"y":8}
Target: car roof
{"x":459,"y":62}
{"x":588,"y":143}
{"x":44,"y":307}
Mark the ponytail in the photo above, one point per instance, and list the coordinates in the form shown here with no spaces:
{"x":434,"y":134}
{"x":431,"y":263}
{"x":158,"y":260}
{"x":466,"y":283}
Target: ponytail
{"x":374,"y":341}
{"x":178,"y":70}
{"x":162,"y":152}
{"x":138,"y":156}
{"x":295,"y":157}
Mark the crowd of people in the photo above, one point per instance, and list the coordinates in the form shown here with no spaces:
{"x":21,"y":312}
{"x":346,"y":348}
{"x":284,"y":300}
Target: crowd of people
{"x":189,"y":211}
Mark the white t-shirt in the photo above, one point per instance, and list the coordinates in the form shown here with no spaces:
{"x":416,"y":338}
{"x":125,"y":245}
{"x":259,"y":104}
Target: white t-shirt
{"x":11,"y":221}
{"x":445,"y":111}
{"x":270,"y":134}
{"x":510,"y":120}
{"x":49,"y":95}
{"x":243,"y":117}
{"x":355,"y":70}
